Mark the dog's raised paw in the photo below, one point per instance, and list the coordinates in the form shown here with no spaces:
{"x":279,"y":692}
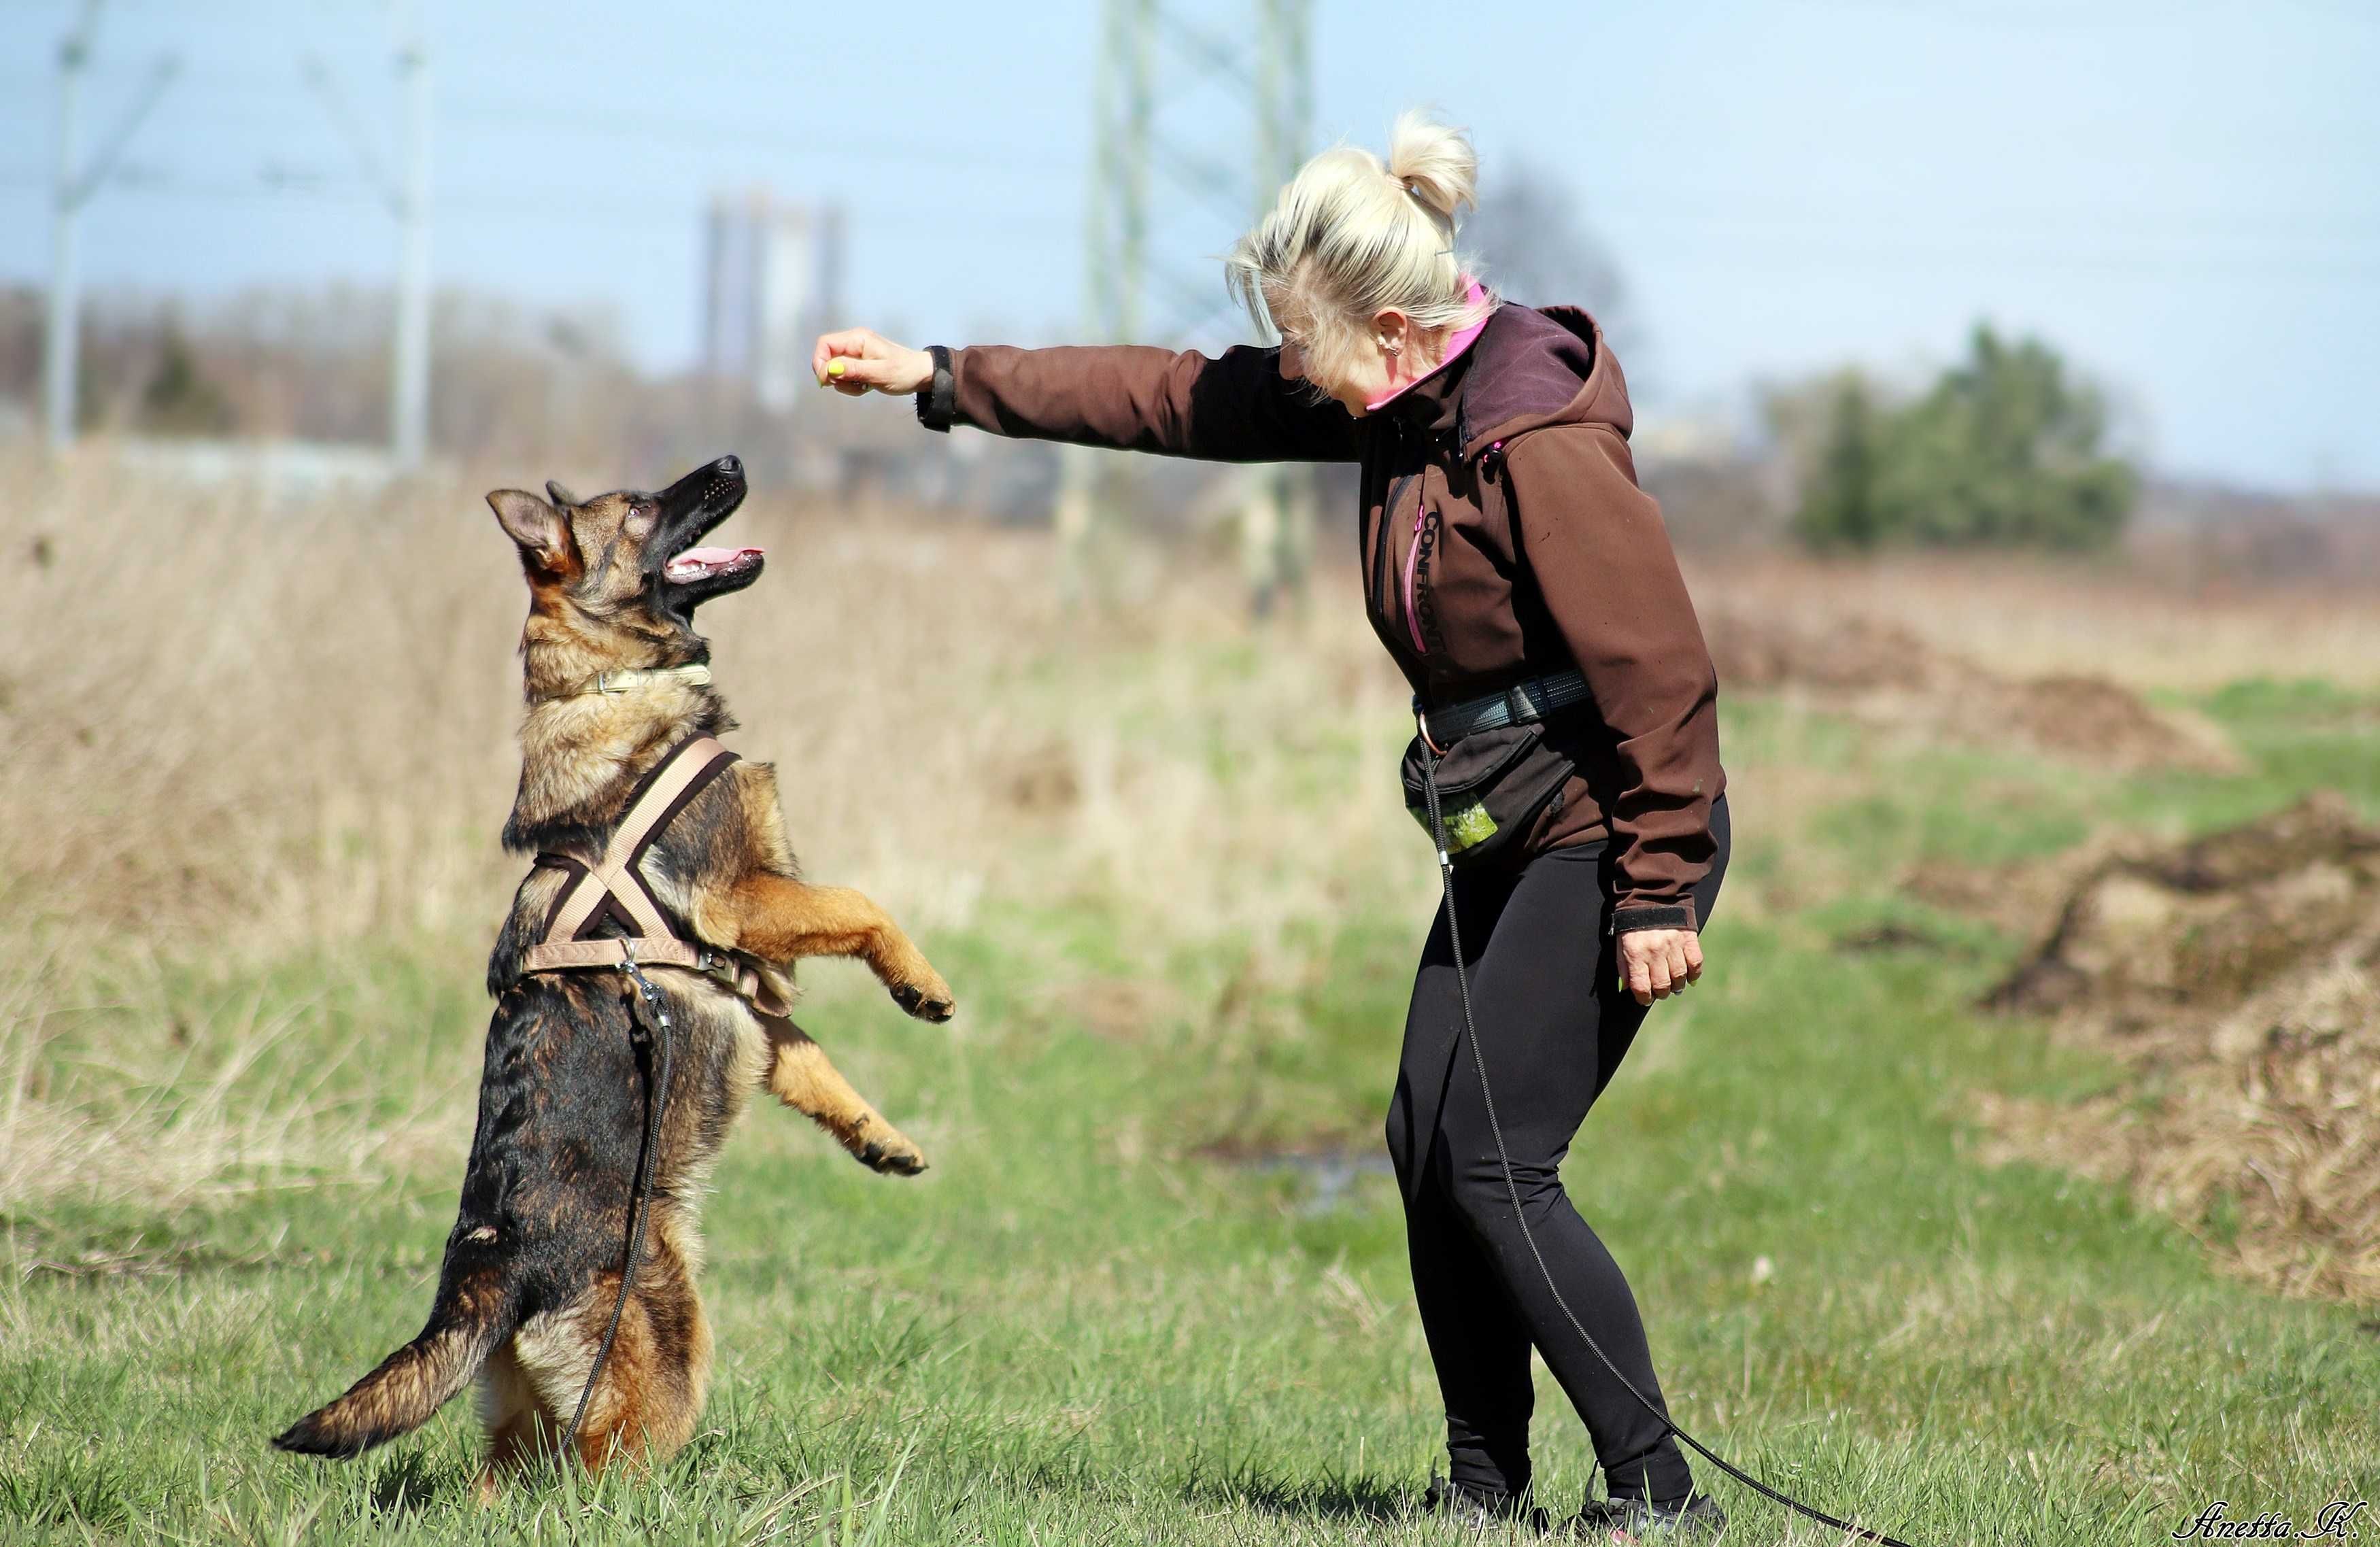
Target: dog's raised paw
{"x":926,"y":1003}
{"x":892,"y":1157}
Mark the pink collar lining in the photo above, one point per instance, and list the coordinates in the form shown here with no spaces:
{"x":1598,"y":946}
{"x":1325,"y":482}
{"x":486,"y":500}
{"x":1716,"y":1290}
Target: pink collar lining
{"x":1454,"y":348}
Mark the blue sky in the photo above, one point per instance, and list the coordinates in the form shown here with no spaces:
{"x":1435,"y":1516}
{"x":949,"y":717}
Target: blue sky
{"x":2185,"y":198}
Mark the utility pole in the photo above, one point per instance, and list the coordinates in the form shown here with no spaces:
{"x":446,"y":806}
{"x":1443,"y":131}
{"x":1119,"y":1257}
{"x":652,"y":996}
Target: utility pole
{"x":75,"y":185}
{"x":408,"y":198}
{"x":1115,"y":249}
{"x":64,"y":334}
{"x":1117,"y":234}
{"x":409,"y":413}
{"x":1140,"y":285}
{"x":1276,"y":508}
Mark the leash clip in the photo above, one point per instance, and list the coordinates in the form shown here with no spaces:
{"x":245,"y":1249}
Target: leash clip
{"x":1421,"y":724}
{"x":644,"y":986}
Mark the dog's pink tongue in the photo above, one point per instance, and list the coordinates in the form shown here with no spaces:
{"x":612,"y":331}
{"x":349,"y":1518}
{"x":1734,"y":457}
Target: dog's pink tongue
{"x":711,"y":558}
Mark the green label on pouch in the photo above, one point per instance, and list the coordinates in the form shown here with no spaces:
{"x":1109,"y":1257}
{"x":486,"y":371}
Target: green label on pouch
{"x":1470,"y":825}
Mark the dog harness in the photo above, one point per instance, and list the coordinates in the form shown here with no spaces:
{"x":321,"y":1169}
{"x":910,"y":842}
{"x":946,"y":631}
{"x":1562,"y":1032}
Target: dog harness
{"x":613,"y":891}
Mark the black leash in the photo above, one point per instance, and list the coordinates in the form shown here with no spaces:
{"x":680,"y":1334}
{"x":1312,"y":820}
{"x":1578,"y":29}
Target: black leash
{"x":647,"y":1168}
{"x":1505,"y":1158}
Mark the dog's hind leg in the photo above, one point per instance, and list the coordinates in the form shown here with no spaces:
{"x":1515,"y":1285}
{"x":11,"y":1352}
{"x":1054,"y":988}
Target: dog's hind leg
{"x":521,"y":1427}
{"x":649,"y":1394}
{"x":646,"y":1405}
{"x":800,"y":1075}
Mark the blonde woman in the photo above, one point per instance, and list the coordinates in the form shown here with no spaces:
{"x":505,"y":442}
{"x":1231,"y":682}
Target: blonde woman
{"x":1527,"y":588}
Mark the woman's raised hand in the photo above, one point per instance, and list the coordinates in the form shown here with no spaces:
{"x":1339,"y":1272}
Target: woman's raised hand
{"x":860,"y":359}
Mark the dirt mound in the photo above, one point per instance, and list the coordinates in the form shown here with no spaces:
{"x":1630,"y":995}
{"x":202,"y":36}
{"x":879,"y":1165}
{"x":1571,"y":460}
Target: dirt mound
{"x":2096,"y":720}
{"x":2013,"y":897}
{"x":2238,"y":976}
{"x":1888,"y":676}
{"x":1766,"y":651}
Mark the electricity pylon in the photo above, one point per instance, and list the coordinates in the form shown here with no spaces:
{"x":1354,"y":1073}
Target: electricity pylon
{"x":1176,"y":90}
{"x":406,"y":194}
{"x":75,"y":185}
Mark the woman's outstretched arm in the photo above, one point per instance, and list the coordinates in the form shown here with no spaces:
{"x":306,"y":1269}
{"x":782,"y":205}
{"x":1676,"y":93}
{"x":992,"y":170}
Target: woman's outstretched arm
{"x":1235,"y":407}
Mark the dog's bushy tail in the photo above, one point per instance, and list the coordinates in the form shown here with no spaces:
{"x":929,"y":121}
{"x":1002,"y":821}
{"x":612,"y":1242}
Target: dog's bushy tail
{"x":410,"y":1384}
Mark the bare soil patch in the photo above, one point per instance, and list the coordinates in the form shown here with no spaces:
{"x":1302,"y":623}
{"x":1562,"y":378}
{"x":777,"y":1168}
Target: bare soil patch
{"x":1886,"y":674}
{"x":2238,"y":977}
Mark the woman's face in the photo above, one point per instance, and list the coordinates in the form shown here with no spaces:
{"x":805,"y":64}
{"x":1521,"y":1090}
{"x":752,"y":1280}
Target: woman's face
{"x":1388,"y":357}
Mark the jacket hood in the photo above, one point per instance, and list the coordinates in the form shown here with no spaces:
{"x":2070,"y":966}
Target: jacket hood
{"x":1531,"y":367}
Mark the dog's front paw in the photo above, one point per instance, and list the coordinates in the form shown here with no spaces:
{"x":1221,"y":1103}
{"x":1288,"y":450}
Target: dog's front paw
{"x":891,"y":1154}
{"x":926,"y":996}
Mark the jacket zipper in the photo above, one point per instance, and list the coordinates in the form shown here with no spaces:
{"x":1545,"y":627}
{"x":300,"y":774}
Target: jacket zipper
{"x":1387,"y":576}
{"x":1413,"y":553}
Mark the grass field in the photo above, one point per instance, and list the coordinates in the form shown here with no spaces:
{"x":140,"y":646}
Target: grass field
{"x":1152,"y":1290}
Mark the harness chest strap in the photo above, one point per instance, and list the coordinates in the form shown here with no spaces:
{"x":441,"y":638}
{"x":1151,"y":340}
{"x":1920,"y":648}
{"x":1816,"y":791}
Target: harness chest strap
{"x":614,"y":883}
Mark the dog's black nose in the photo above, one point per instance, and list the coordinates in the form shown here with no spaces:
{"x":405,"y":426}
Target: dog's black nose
{"x":730,"y":467}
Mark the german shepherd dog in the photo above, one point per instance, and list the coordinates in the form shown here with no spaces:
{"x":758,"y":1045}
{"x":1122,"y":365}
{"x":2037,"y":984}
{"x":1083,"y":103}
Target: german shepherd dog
{"x":534,"y":1262}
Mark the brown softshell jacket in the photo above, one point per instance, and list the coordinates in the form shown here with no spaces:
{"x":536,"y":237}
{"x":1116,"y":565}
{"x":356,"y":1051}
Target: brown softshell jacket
{"x":1503,"y":538}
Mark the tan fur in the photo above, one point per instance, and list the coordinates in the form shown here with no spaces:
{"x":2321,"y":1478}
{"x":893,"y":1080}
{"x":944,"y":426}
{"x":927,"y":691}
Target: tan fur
{"x":800,"y":1076}
{"x":581,"y":753}
{"x":725,"y":867}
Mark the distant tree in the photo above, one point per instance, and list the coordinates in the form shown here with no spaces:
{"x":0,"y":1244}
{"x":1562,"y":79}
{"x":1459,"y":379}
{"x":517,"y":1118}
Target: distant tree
{"x":2003,"y":451}
{"x":1538,"y":249}
{"x":179,"y":400}
{"x":1838,"y":500}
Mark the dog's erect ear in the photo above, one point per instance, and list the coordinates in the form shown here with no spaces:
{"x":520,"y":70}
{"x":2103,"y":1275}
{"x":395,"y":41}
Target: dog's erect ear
{"x":563,"y":498}
{"x":535,"y":525}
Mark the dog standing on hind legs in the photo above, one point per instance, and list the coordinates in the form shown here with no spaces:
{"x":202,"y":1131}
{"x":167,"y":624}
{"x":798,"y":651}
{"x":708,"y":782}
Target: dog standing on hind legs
{"x":657,"y":851}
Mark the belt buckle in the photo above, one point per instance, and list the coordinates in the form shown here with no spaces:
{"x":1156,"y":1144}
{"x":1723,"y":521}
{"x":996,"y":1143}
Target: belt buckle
{"x":1520,"y":704}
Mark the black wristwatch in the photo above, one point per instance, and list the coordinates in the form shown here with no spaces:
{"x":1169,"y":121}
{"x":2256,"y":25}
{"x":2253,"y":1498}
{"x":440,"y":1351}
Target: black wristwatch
{"x":938,"y":406}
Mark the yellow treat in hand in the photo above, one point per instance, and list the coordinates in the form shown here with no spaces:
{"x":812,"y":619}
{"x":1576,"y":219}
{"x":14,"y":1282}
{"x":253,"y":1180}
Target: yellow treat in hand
{"x":834,"y":368}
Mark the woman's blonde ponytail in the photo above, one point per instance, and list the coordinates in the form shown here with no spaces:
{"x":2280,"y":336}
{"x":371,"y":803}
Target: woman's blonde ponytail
{"x":1351,"y":237}
{"x":1435,"y":164}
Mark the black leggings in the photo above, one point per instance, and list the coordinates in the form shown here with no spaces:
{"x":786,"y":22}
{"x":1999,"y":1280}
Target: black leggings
{"x":1553,"y":1027}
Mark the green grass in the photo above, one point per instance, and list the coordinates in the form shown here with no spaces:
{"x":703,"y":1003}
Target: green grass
{"x":1077,"y":1329}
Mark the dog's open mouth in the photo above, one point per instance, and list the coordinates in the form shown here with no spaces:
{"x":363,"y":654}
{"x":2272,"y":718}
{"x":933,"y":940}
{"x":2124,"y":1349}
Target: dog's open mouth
{"x":707,"y":563}
{"x":692,"y":574}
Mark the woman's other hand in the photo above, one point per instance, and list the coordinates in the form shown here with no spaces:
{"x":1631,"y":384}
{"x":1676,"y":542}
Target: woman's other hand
{"x":1655,"y":964}
{"x":860,"y":359}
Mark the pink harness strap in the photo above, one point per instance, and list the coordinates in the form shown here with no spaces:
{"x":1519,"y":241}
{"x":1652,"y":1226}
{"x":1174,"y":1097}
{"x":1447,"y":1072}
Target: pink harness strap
{"x":613,"y":887}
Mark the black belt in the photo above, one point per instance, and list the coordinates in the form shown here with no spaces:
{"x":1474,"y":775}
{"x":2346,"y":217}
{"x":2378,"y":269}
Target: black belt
{"x":1517,"y":705}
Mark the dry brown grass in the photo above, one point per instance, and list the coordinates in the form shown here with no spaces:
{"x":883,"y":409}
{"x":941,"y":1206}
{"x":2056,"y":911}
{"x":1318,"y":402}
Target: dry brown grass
{"x":2025,"y":617}
{"x":239,"y":735}
{"x":246,"y":733}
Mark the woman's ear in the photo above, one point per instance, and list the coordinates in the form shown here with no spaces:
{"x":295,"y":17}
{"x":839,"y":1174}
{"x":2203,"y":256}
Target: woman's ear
{"x":1391,"y":331}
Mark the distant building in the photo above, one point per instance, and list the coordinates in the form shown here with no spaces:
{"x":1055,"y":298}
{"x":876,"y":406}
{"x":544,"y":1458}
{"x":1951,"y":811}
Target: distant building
{"x":773,"y":281}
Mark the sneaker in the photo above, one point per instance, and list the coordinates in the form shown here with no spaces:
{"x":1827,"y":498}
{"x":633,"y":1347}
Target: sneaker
{"x":1483,"y":1508}
{"x":1696,"y":1518}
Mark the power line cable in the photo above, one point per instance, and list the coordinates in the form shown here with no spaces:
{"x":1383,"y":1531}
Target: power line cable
{"x":300,"y":186}
{"x":1726,"y":241}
